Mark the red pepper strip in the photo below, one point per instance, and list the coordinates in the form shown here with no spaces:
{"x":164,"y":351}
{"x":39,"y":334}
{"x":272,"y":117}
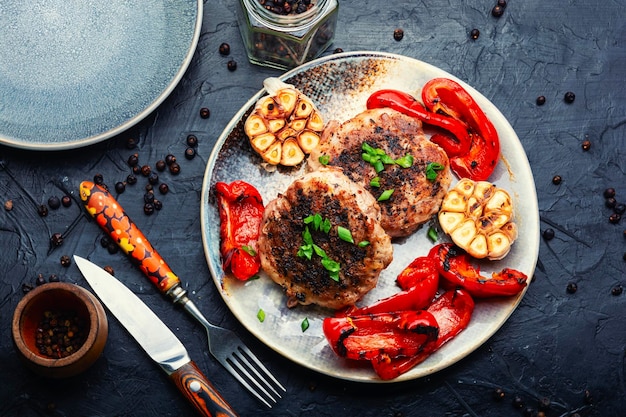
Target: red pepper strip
{"x":458,"y":144}
{"x":241,"y":212}
{"x":456,"y":268}
{"x":365,"y":337}
{"x":419,"y":282}
{"x":453,"y":311}
{"x":443,"y":95}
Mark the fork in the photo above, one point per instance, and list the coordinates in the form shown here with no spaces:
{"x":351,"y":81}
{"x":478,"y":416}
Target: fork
{"x":229,"y":350}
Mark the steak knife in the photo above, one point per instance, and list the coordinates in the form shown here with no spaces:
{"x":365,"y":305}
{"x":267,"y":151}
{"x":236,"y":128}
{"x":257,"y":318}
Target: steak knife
{"x":156,"y":339}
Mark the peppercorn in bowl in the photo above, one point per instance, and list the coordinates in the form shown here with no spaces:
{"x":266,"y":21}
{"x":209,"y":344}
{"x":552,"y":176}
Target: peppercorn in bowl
{"x":59,"y":329}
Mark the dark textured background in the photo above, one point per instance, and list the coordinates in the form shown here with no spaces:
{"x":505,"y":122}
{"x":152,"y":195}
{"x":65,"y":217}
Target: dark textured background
{"x":556,"y":345}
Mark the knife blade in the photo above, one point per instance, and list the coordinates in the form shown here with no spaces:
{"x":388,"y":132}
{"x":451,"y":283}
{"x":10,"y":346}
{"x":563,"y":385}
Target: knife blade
{"x":156,"y":339}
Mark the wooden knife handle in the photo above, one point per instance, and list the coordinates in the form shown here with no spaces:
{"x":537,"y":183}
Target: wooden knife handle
{"x":200,"y":392}
{"x":111,"y":217}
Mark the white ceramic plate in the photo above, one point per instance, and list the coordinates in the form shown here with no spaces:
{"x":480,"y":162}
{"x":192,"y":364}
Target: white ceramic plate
{"x":339,"y":85}
{"x":74,"y":72}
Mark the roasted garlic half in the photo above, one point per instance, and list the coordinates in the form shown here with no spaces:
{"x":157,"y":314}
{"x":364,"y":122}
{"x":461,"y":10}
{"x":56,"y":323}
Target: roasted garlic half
{"x":284,"y":125}
{"x":478,"y":216}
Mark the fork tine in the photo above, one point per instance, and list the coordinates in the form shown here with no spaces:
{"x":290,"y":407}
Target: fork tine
{"x":242,"y":358}
{"x":251,"y":355}
{"x":245,"y":383}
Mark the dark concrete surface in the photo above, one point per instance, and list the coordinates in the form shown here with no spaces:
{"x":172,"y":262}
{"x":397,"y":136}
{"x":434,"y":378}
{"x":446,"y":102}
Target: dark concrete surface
{"x":565,"y":347}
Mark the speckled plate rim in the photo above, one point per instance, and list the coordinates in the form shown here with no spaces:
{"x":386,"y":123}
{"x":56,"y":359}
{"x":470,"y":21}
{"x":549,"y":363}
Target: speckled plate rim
{"x":281,"y":327}
{"x":130,"y":122}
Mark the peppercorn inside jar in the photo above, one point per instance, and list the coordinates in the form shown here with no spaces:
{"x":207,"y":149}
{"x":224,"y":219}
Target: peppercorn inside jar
{"x":283,"y":34}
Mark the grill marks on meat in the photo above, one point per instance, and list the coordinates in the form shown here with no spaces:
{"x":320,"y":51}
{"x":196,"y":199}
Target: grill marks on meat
{"x":415,"y":198}
{"x":331,"y":194}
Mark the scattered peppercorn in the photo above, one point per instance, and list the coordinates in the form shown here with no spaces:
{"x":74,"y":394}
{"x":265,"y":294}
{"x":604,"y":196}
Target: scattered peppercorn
{"x":192,"y":140}
{"x":148,"y":197}
{"x":497,"y":11}
{"x":131,"y":143}
{"x":164,"y":188}
{"x":98,"y":179}
{"x":146,"y":170}
{"x":498,"y":394}
{"x":610,"y":202}
{"x":56,"y":239}
{"x":54,"y":202}
{"x":569,"y":97}
{"x":157,"y":205}
{"x":42,"y":210}
{"x":224,"y":49}
{"x":175,"y":168}
{"x":614,"y":218}
{"x":528,"y":412}
{"x":541,"y":100}
{"x":149,"y":187}
{"x":109,"y":269}
{"x":136,"y":170}
{"x":587,"y":397}
{"x":231,"y":65}
{"x":120,"y":187}
{"x":26,"y":288}
{"x":572,"y":287}
{"x":609,"y":192}
{"x":619,"y":208}
{"x":66,"y":201}
{"x":502,"y":3}
{"x":338,"y":51}
{"x":153,"y":178}
{"x":170,"y":159}
{"x":474,"y":34}
{"x":160,"y":165}
{"x":548,"y":234}
{"x":205,"y":113}
{"x":53,"y":278}
{"x":617,"y":290}
{"x":586,"y":145}
{"x":544,"y":403}
{"x":556,"y":180}
{"x":398,"y":34}
{"x":65,"y":261}
{"x":190,"y":153}
{"x":8,"y":205}
{"x":133,"y":160}
{"x":40,"y":280}
{"x":148,"y":209}
{"x":131,"y":179}
{"x":517,"y":402}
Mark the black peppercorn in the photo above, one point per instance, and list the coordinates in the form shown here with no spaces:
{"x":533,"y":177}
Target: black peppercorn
{"x":610,"y":202}
{"x":53,"y":278}
{"x":398,"y":34}
{"x":157,"y":204}
{"x":518,"y":402}
{"x":614,"y":218}
{"x":66,"y":201}
{"x":192,"y":140}
{"x":569,"y":97}
{"x":617,"y":290}
{"x":205,"y":113}
{"x":153,"y":178}
{"x":109,"y":269}
{"x":544,"y":403}
{"x":498,"y":394}
{"x":556,"y":180}
{"x":136,"y":170}
{"x":42,"y":210}
{"x":148,"y":197}
{"x":619,"y":208}
{"x":586,"y":145}
{"x":175,"y":168}
{"x":164,"y":188}
{"x":609,"y":192}
{"x":26,"y":288}
{"x":528,"y":412}
{"x":224,"y":49}
{"x":190,"y":153}
{"x":98,"y":179}
{"x":146,"y":170}
{"x":572,"y":287}
{"x":548,"y":234}
{"x":105,"y":241}
{"x":170,"y":159}
{"x":120,"y":187}
{"x":65,"y":261}
{"x":160,"y":165}
{"x":149,"y":187}
{"x":112,"y":248}
{"x":474,"y":34}
{"x":502,"y":3}
{"x":133,"y":160}
{"x":131,"y":143}
{"x":541,"y":100}
{"x":56,"y":239}
{"x":40,"y":280}
{"x":497,"y":11}
{"x":231,"y":65}
{"x":338,"y":51}
{"x":131,"y":179}
{"x":54,"y":202}
{"x":148,"y":209}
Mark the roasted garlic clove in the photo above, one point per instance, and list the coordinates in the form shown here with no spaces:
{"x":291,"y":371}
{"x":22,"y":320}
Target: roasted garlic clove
{"x":285,"y":119}
{"x":478,"y":216}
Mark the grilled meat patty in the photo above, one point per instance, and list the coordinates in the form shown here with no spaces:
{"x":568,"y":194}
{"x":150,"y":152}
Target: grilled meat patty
{"x":331,"y":195}
{"x":415,"y":198}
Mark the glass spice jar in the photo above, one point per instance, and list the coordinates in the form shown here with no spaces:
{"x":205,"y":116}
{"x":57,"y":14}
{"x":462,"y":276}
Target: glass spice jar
{"x":284,"y":41}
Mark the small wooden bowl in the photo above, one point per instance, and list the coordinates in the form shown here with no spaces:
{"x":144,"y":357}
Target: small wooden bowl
{"x":59,"y":296}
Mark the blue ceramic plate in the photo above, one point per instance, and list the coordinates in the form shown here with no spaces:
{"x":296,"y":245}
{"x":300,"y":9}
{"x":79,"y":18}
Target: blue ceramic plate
{"x":339,"y":85}
{"x":73,"y":72}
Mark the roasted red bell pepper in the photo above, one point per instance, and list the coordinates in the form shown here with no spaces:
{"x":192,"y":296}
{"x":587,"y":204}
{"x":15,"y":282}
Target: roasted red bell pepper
{"x":443,"y":95}
{"x":452,"y":311}
{"x":456,"y":268}
{"x":458,"y":143}
{"x":419,"y":282}
{"x":366,"y":337}
{"x":241,"y":212}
